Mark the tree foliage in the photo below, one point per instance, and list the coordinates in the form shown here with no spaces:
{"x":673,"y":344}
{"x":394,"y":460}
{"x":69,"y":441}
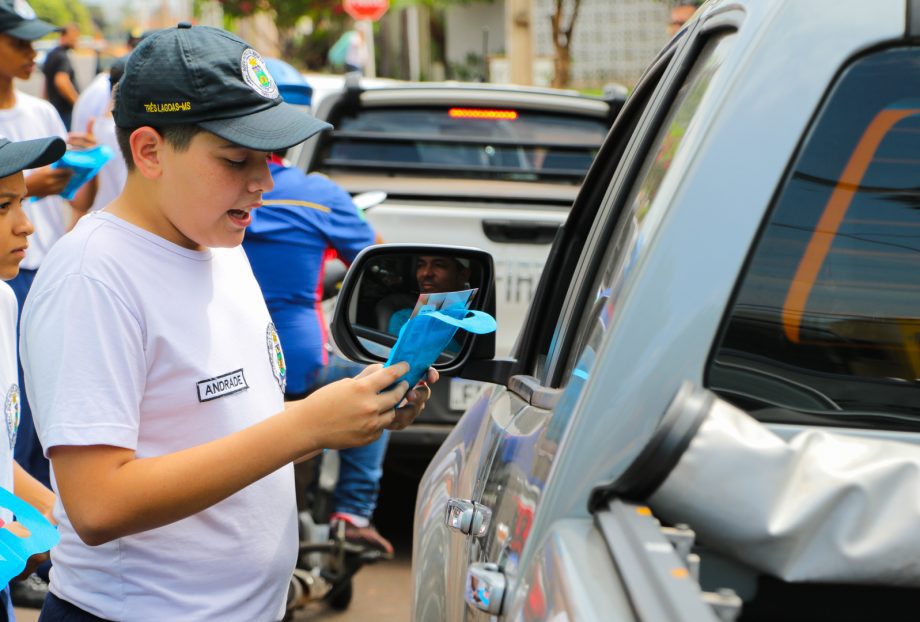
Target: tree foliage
{"x":63,"y":12}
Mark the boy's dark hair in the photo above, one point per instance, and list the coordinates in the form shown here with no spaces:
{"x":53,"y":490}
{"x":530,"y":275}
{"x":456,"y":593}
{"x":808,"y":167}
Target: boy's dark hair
{"x":179,"y":137}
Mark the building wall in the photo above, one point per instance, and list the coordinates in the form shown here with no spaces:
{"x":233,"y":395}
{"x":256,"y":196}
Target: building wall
{"x":464,"y":33}
{"x":614,"y":40}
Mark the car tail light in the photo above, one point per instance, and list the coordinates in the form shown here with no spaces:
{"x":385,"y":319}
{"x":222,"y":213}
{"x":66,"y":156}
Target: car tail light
{"x":483,"y":113}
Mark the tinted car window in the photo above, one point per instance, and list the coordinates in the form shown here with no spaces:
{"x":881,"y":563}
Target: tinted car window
{"x":466,"y":141}
{"x":638,"y":218}
{"x":826,"y":321}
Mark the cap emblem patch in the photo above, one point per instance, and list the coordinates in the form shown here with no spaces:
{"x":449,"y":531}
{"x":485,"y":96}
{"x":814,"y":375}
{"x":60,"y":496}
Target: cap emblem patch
{"x":23,"y":9}
{"x":256,"y":75}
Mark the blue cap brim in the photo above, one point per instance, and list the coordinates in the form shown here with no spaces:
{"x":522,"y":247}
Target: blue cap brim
{"x":272,"y":129}
{"x":16,"y":156}
{"x":31,"y":29}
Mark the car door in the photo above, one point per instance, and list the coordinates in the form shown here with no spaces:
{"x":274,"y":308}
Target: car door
{"x":459,"y":471}
{"x":511,"y":488}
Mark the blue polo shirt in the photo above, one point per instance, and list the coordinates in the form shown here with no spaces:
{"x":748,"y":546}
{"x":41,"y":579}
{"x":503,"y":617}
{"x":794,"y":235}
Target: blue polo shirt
{"x":303,"y":221}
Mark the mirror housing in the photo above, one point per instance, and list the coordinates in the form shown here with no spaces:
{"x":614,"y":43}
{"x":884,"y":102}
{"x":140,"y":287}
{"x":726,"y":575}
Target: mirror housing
{"x":367,"y":345}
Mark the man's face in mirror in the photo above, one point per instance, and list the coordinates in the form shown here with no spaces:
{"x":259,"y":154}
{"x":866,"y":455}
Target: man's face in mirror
{"x":438,"y":273}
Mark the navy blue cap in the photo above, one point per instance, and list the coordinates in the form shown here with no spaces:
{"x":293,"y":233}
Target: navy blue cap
{"x":16,"y":156}
{"x":18,"y":19}
{"x":198,"y":75}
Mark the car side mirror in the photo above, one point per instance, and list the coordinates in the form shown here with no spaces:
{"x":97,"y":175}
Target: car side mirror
{"x":387,"y":282}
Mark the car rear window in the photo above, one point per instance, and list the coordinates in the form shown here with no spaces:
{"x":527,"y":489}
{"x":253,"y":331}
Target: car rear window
{"x":466,"y":141}
{"x":825,"y":326}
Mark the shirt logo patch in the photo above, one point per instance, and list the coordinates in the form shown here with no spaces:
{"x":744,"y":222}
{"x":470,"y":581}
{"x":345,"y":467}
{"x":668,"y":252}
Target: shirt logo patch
{"x":256,"y":75}
{"x":11,"y":410}
{"x":276,"y":356}
{"x":221,"y":386}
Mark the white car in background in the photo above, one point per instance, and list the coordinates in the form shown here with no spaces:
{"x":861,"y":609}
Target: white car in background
{"x":480,"y":165}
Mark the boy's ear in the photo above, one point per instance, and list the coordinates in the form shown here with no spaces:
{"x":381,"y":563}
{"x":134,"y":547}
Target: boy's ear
{"x":147,"y":151}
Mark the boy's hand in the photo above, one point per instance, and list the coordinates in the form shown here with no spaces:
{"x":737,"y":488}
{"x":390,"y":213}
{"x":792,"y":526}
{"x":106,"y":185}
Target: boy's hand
{"x":34,"y":561}
{"x":83,"y":140}
{"x":354,"y":411}
{"x":46,"y":181}
{"x":415,"y":402}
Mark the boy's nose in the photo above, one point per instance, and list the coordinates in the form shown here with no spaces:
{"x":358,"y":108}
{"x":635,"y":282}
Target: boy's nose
{"x":262,"y":181}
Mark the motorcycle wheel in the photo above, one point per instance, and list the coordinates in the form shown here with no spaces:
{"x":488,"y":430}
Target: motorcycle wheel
{"x":340,"y":596}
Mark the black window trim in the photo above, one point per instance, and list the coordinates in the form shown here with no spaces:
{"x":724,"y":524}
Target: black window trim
{"x":687,"y":54}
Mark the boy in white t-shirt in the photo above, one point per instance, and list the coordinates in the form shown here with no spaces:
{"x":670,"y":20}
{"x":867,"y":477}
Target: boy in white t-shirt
{"x":15,"y":228}
{"x":154,"y":370}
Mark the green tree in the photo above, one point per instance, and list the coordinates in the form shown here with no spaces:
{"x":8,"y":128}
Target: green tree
{"x":63,"y":12}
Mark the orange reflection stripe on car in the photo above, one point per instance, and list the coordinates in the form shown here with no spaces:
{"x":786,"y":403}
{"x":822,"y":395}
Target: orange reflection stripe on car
{"x":832,"y":216}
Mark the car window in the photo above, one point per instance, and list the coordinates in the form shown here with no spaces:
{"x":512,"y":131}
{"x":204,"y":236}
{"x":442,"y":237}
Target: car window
{"x":637,"y":219}
{"x":496,"y":143}
{"x":825,"y":325}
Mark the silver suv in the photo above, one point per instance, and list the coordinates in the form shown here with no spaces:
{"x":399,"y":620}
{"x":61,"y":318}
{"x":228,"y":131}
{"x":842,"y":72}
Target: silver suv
{"x":725,"y":337}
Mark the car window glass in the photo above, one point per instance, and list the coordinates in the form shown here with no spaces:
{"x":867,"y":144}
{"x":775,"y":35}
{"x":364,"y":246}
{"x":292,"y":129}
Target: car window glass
{"x":636,"y":220}
{"x":499,"y":143}
{"x":825,"y":326}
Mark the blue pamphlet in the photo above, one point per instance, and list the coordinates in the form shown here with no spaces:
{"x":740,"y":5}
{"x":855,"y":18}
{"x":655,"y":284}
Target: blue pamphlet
{"x":85,"y":163}
{"x":430,"y":331}
{"x":15,"y":551}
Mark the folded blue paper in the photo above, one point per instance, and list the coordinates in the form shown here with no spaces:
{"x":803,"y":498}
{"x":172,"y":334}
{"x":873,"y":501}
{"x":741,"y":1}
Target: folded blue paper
{"x":424,"y":337}
{"x":15,"y":551}
{"x":85,"y":164}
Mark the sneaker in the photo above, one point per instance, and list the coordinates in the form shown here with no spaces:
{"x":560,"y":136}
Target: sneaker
{"x":366,"y":536}
{"x":30,"y":592}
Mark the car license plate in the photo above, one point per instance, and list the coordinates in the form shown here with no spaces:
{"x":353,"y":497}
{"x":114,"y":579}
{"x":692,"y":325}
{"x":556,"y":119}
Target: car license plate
{"x":463,"y":393}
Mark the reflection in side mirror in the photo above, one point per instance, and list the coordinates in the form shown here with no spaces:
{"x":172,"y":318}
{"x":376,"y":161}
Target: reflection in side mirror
{"x":393,"y":288}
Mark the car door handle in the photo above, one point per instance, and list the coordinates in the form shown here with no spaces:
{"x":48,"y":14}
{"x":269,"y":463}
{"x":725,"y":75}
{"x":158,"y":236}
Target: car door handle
{"x":520,"y":231}
{"x":485,"y":587}
{"x":467,"y":517}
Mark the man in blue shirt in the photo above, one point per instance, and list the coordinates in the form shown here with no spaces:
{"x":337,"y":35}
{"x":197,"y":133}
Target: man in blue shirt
{"x":303,"y":221}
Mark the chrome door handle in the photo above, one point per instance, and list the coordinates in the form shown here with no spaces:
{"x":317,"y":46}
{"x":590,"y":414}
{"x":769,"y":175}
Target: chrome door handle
{"x":485,"y":587}
{"x":467,"y":517}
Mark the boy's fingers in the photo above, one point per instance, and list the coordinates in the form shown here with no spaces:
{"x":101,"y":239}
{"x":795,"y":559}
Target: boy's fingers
{"x":370,"y":369}
{"x":389,"y":399}
{"x":386,"y":419}
{"x":382,"y":378}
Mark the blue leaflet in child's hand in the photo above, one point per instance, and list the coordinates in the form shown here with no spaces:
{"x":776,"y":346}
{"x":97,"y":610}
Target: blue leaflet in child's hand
{"x":15,"y":551}
{"x":424,"y":337}
{"x":85,"y":163}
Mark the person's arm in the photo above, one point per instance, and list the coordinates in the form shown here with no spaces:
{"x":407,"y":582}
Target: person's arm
{"x":109,"y":493}
{"x":65,"y":87}
{"x":32,"y":491}
{"x":83,"y":200}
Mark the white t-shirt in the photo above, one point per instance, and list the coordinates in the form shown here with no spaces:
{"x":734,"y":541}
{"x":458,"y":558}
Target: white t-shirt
{"x":92,"y":102}
{"x":31,"y":118}
{"x":131,"y":341}
{"x":113,"y":175}
{"x":9,"y":388}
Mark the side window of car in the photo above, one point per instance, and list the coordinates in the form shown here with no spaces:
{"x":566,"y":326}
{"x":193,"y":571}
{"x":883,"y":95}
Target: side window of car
{"x":638,"y":219}
{"x":825,"y":323}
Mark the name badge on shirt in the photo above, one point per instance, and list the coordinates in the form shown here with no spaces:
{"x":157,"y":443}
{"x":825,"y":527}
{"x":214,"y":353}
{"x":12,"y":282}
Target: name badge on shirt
{"x":222,"y":386}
